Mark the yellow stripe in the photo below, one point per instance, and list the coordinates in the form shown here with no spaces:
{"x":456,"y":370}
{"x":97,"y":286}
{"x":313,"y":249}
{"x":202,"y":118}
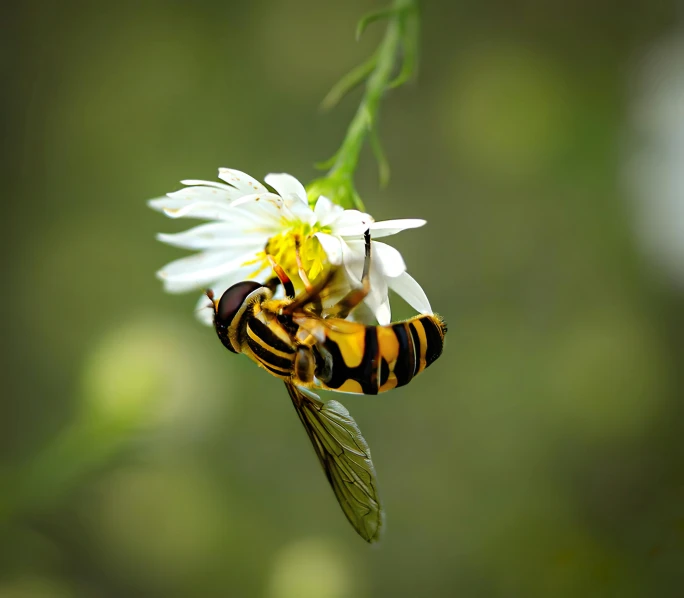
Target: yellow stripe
{"x":423,"y":345}
{"x":389,"y":384}
{"x":351,"y":386}
{"x":389,"y":345}
{"x":268,"y":347}
{"x":351,"y":345}
{"x":274,"y":327}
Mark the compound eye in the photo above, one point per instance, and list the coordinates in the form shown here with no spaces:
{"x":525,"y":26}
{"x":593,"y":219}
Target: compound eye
{"x":232,"y":300}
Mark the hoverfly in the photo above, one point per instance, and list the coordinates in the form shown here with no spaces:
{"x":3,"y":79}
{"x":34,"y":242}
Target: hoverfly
{"x":307,"y":346}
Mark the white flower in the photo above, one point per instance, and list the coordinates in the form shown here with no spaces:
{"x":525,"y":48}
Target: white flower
{"x":250,"y":223}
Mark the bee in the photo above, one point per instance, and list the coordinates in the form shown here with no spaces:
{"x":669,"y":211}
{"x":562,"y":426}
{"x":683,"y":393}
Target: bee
{"x":311,"y":347}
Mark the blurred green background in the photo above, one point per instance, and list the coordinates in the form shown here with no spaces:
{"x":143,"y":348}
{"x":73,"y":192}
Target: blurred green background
{"x":541,"y":455}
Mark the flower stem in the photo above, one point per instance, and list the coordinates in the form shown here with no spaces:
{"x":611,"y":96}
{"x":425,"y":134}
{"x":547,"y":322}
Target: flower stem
{"x":379,"y":79}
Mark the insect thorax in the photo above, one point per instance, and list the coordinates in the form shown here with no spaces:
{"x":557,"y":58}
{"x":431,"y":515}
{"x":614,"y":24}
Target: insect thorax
{"x":269,"y":338}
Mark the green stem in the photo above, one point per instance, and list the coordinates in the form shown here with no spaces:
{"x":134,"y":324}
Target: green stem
{"x":377,"y":83}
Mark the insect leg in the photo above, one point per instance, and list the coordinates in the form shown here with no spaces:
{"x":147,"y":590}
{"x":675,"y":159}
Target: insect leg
{"x":214,"y":303}
{"x":283,"y":277}
{"x":308,"y":287}
{"x":272,"y":284}
{"x":300,"y":269}
{"x":355,"y":296}
{"x":304,"y":365}
{"x":309,"y":296}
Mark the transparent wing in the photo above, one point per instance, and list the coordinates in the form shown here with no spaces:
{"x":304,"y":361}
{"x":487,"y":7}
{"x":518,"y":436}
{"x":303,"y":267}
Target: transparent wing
{"x":345,"y":458}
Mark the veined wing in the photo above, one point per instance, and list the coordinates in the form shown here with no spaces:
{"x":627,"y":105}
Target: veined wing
{"x":317,"y":326}
{"x":345,"y":457}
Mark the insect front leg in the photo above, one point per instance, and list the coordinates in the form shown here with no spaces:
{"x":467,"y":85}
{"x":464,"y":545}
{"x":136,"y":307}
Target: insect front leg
{"x":281,"y":277}
{"x":272,"y":284}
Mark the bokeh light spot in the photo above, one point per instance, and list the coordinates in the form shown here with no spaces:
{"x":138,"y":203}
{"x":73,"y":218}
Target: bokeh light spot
{"x":311,"y":568}
{"x":148,"y":371}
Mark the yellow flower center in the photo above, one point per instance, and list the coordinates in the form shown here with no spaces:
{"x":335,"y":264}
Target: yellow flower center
{"x":283,"y":248}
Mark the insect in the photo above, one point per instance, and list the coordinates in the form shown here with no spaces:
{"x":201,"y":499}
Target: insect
{"x":308,"y":346}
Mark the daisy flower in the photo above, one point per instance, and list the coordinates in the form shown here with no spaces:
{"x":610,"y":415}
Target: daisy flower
{"x":249,"y":223}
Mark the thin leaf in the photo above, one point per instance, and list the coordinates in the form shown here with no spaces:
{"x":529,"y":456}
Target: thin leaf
{"x":375,"y":16}
{"x":410,"y":27}
{"x":348,"y":83}
{"x":326,"y":164}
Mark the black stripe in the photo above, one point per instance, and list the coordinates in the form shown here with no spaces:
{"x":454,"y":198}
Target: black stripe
{"x":339,"y":372}
{"x":276,"y":372}
{"x":266,"y":356}
{"x":435,"y":342}
{"x":366,"y":373}
{"x":404,"y":368}
{"x":269,"y":337}
{"x":367,"y":370}
{"x":384,"y":371}
{"x":416,"y":345}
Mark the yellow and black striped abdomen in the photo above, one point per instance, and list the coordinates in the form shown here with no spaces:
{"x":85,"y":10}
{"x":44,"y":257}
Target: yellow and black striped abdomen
{"x":373,"y":359}
{"x":270,"y":345}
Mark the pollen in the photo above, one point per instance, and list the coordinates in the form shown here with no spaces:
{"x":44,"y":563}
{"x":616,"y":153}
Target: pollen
{"x":284,"y":246}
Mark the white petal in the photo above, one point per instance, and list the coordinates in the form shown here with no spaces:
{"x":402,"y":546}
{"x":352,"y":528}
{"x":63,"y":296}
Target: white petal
{"x":241,"y":181}
{"x":378,"y":298}
{"x":384,"y":258}
{"x":213,"y":236}
{"x":387,"y":259}
{"x":177,"y":201}
{"x":209,"y":184}
{"x":383,"y":313}
{"x":352,"y":258}
{"x":363,"y":314}
{"x":204,"y":310}
{"x":171,"y":286}
{"x":254,"y":198}
{"x":287,"y":186}
{"x":332,"y":247}
{"x":323,"y":207}
{"x":410,"y":291}
{"x":199,"y":193}
{"x":295,"y":210}
{"x":199,"y":270}
{"x":351,"y":223}
{"x":238,"y":275}
{"x":386,"y":228}
{"x":265,"y":210}
{"x":326,"y":211}
{"x":198,"y":209}
{"x":161,"y":203}
{"x":259,"y":217}
{"x":198,"y":262}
